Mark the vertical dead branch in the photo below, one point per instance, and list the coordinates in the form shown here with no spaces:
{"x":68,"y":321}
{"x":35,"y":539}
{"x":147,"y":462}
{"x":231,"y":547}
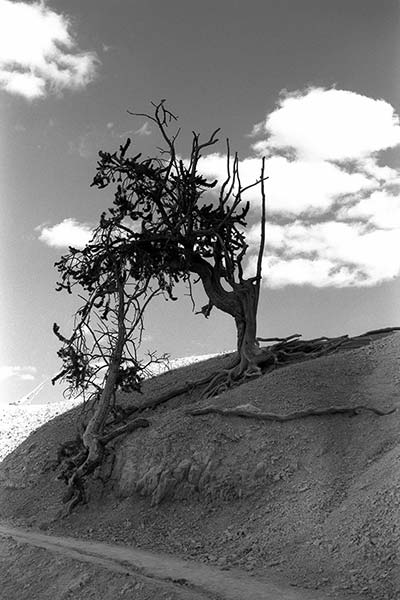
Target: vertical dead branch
{"x":262,"y":237}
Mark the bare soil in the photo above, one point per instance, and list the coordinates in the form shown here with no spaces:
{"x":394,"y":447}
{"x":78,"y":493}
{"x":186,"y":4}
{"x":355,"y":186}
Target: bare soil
{"x":184,"y":579}
{"x":314,"y":502}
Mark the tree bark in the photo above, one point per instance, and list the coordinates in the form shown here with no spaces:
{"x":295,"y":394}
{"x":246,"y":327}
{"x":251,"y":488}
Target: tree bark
{"x":241,"y":304}
{"x":91,"y":453}
{"x":246,"y":326}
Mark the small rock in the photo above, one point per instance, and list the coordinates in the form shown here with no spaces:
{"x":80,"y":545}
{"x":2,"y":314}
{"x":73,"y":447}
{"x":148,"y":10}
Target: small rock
{"x":273,"y":563}
{"x":303,"y":488}
{"x":260,"y":469}
{"x":194,"y":474}
{"x":182,"y":469}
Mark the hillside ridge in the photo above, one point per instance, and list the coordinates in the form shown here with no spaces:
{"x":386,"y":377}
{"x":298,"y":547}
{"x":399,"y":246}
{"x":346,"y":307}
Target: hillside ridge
{"x":316,"y":500}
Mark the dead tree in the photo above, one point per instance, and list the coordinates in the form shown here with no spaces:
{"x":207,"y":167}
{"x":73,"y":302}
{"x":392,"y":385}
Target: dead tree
{"x":184,"y":231}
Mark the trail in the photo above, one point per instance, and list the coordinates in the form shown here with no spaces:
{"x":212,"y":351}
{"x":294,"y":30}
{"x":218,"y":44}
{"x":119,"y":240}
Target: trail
{"x":200,"y":581}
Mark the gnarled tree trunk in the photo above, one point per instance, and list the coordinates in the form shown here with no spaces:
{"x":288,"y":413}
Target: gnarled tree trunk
{"x":90,"y":453}
{"x":246,"y":326}
{"x":241,"y":303}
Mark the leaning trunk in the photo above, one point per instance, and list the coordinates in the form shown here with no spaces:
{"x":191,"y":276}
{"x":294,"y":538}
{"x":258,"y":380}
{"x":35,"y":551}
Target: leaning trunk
{"x":95,"y":427}
{"x":241,"y":303}
{"x":91,"y":451}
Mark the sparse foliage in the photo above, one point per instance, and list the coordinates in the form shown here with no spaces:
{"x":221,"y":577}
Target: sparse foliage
{"x":179,"y":229}
{"x":168,"y":224}
{"x":101,"y":357}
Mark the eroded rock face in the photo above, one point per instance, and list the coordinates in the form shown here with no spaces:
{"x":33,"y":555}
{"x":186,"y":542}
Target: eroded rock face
{"x":179,"y":478}
{"x":177,"y":470}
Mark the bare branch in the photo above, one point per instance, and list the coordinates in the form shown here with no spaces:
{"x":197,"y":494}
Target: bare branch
{"x":262,"y":236}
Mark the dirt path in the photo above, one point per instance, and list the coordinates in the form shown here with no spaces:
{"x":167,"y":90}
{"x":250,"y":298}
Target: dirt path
{"x":203,"y":582}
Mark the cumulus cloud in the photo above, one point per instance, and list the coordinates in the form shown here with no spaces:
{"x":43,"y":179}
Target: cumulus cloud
{"x":381,"y":209}
{"x":17,"y":372}
{"x":39,"y":52}
{"x":67,"y":233}
{"x":326,"y":254}
{"x":293,"y":187}
{"x":384,"y":174}
{"x":329,"y":184}
{"x":321,"y":148}
{"x":330,"y":125}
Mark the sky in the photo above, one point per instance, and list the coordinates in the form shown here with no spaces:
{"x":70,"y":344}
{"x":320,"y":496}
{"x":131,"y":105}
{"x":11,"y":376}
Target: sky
{"x":313,"y":86}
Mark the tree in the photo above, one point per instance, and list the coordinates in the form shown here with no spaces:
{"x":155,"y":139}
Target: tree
{"x":101,"y":358}
{"x":177,"y":229}
{"x":166,"y":225}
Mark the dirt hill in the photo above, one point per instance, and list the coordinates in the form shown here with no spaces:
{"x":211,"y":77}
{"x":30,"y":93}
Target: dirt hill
{"x":315,"y":500}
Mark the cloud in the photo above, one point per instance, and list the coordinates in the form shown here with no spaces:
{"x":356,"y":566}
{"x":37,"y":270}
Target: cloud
{"x":332,"y":124}
{"x":328,"y":183}
{"x":67,"y":233}
{"x":293,"y":187}
{"x":17,"y":372}
{"x":107,"y":47}
{"x":381,"y":209}
{"x":144,"y":129}
{"x":39,"y":52}
{"x":327,"y":254}
{"x":88,"y":144}
{"x":94,"y":139}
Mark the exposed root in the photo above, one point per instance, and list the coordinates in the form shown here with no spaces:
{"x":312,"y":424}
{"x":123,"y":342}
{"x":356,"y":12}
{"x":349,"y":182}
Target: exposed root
{"x":76,"y":462}
{"x":286,"y":351}
{"x":229,"y":378}
{"x":220,"y":382}
{"x":127,"y":428}
{"x":250,"y":411}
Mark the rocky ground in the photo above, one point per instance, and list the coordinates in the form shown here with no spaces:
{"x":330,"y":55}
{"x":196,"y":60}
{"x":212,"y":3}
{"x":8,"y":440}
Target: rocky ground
{"x":17,"y":422}
{"x":316,"y":500}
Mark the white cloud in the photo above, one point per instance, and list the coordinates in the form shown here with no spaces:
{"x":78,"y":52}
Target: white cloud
{"x":303,"y":271}
{"x":327,"y":254}
{"x":323,"y":151}
{"x":381,"y":209}
{"x":94,"y":139}
{"x":293,"y":187}
{"x":18,"y":372}
{"x":321,"y":124}
{"x":39,"y":53}
{"x":144,"y":129}
{"x":67,"y":233}
{"x":385,"y":175}
{"x":24,"y":84}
